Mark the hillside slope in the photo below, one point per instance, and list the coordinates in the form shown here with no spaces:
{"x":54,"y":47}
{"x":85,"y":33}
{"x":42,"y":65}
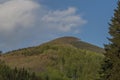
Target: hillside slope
{"x":59,"y":59}
{"x":79,"y":44}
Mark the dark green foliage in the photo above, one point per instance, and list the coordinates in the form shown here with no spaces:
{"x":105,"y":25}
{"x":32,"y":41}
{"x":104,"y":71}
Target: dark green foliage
{"x":6,"y":73}
{"x":0,"y":52}
{"x":111,"y":68}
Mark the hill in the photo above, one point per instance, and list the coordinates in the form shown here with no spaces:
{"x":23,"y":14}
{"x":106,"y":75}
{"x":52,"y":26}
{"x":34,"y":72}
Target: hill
{"x":79,"y":44}
{"x":65,"y":58}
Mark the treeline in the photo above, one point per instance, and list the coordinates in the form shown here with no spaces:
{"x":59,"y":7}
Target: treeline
{"x":6,"y":73}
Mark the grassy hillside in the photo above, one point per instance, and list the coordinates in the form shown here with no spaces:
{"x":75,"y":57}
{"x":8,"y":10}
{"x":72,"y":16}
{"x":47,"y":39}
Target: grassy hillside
{"x":59,"y":59}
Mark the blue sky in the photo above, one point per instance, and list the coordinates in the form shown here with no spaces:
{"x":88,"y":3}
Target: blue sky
{"x":25,"y":23}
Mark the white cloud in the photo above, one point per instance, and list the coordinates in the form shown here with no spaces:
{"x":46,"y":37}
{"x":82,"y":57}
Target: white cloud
{"x":63,"y":20}
{"x":22,"y":22}
{"x":15,"y":13}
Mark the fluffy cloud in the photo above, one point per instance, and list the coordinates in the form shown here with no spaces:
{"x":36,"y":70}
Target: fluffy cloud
{"x":63,"y":20}
{"x":17,"y":13}
{"x":26,"y":22}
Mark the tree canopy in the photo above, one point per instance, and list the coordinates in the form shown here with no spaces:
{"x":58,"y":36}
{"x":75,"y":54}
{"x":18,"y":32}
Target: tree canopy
{"x":111,"y":68}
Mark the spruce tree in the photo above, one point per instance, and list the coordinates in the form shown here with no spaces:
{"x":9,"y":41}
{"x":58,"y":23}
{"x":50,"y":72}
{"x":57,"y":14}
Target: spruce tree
{"x":111,"y":68}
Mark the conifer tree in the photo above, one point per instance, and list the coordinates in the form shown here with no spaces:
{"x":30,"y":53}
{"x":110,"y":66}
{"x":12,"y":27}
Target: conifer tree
{"x":111,"y":68}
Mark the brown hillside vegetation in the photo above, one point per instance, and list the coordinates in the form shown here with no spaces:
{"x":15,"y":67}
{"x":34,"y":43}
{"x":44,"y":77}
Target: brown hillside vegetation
{"x":59,"y":59}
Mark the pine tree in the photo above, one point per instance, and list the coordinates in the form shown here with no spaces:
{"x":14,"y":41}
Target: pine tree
{"x":0,"y":53}
{"x":111,"y":68}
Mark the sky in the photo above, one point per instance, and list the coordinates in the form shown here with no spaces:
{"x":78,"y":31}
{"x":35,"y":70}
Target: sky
{"x":25,"y":23}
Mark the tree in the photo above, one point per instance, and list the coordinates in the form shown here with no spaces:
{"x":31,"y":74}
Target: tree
{"x":0,"y":53}
{"x":111,"y":67}
{"x":6,"y":73}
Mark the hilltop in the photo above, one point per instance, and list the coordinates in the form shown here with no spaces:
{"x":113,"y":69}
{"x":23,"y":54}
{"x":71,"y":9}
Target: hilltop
{"x":76,"y":42}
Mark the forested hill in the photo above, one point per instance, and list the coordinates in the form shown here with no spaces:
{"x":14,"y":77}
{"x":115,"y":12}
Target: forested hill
{"x":65,"y":58}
